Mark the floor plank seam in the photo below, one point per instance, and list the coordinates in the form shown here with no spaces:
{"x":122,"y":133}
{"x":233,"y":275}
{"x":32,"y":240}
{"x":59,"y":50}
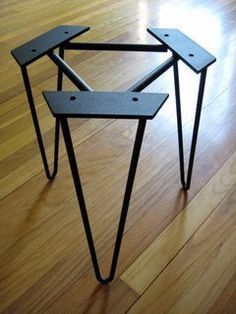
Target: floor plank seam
{"x":51,"y":164}
{"x":179,"y":251}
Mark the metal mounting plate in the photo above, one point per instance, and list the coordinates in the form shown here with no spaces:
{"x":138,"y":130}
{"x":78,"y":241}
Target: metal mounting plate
{"x":196,"y":57}
{"x":114,"y":105}
{"x":39,"y":46}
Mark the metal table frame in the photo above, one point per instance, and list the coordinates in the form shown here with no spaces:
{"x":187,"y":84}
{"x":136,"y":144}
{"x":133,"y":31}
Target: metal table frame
{"x":182,"y":47}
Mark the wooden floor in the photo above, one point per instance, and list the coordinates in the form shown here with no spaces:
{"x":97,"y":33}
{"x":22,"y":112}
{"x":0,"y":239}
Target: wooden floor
{"x":179,"y":249}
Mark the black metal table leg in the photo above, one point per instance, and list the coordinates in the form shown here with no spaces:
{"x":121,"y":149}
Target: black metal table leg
{"x":127,"y":196}
{"x":28,"y":89}
{"x":57,"y":125}
{"x":81,"y":200}
{"x":79,"y":193}
{"x":29,"y":53}
{"x":89,"y":104}
{"x":60,"y":72}
{"x":187,"y":182}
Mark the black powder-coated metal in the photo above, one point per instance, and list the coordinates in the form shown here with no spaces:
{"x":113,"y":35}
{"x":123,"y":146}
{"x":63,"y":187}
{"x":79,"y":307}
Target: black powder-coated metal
{"x":129,"y":105}
{"x":196,"y":57}
{"x":34,"y":115}
{"x":114,"y":105}
{"x":57,"y":125}
{"x":127,"y":196}
{"x":152,"y":76}
{"x":66,"y":69}
{"x":60,"y":72}
{"x":81,"y":199}
{"x":28,"y":89}
{"x":137,"y":87}
{"x":41,"y":45}
{"x":115,"y":47}
{"x":186,"y":183}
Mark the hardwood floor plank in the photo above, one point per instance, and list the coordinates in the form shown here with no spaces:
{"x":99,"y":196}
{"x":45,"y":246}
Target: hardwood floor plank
{"x":225,"y":303}
{"x":45,"y":266}
{"x":15,"y":173}
{"x":166,"y":246}
{"x":192,"y":282}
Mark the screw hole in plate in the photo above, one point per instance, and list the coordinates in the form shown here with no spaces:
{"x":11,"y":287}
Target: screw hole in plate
{"x":135,"y":98}
{"x":191,"y":55}
{"x":66,"y":32}
{"x":33,"y":50}
{"x":166,"y":35}
{"x":72,"y":98}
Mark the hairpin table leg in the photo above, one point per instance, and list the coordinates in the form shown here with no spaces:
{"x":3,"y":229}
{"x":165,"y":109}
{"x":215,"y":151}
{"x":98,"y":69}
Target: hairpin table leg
{"x":81,"y":200}
{"x":186,"y":183}
{"x":28,"y":89}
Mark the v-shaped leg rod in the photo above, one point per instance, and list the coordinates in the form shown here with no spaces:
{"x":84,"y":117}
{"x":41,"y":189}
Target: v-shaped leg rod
{"x":187,"y":182}
{"x":82,"y":204}
{"x":34,"y":115}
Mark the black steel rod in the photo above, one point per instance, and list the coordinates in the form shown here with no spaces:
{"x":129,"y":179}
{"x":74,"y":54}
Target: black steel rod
{"x":137,"y":87}
{"x":63,"y":66}
{"x":60,"y":72}
{"x":152,"y":76}
{"x":57,"y":126}
{"x":82,"y":204}
{"x":186,"y":183}
{"x":196,"y":126}
{"x":114,"y":47}
{"x":127,"y":196}
{"x":179,"y":124}
{"x":80,"y":195}
{"x":37,"y":128}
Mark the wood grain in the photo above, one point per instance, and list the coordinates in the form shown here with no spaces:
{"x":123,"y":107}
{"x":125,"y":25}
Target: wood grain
{"x":200,"y":272}
{"x":164,"y":249}
{"x":45,"y":266}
